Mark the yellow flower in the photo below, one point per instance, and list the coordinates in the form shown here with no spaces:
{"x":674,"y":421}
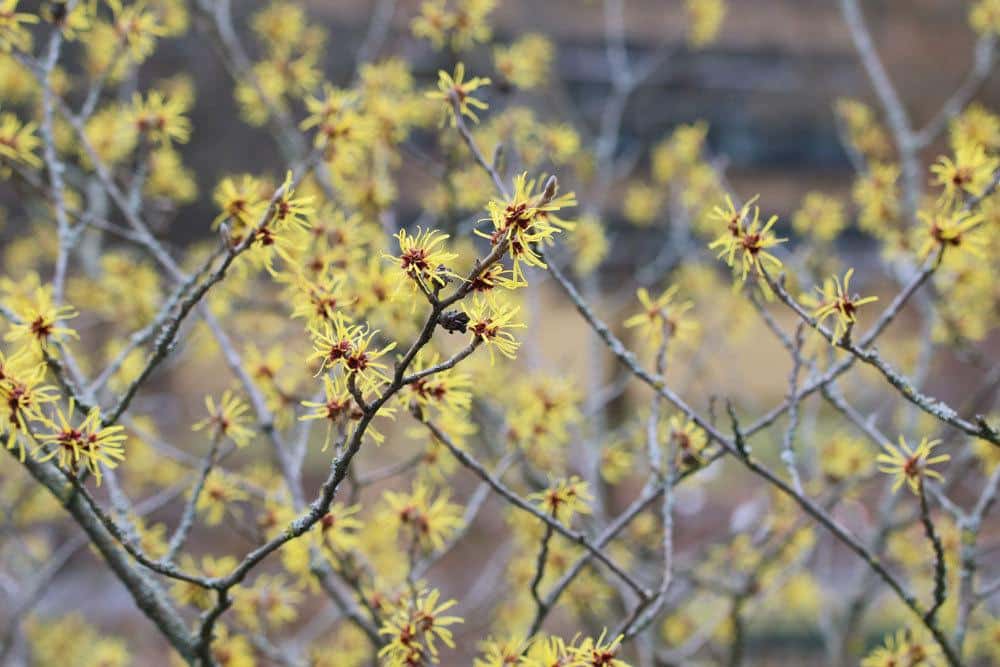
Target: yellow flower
{"x":291,"y":211}
{"x":820,"y":216}
{"x":545,"y":652}
{"x":422,"y":258}
{"x":13,"y":34}
{"x":689,"y":441}
{"x":447,"y":390}
{"x":950,"y":227}
{"x":563,"y":499}
{"x":414,"y":627}
{"x":976,"y":126}
{"x":270,"y":600}
{"x":428,"y":520}
{"x":877,"y":195}
{"x":22,"y":394}
{"x":335,"y":408}
{"x":642,"y":204}
{"x":137,"y":26}
{"x":332,"y":342}
{"x":679,"y":153}
{"x":497,"y":653}
{"x":168,"y":178}
{"x":844,"y":457}
{"x":589,"y":245}
{"x":159,"y":118}
{"x":910,"y":465}
{"x":526,"y":62}
{"x":111,"y":134}
{"x":433,"y":23}
{"x":527,"y":219}
{"x":219,"y":493}
{"x":984,"y":17}
{"x":453,"y":89}
{"x":227,"y":419}
{"x":333,"y":117}
{"x":339,"y":527}
{"x":749,"y":240}
{"x":18,"y":141}
{"x":40,"y":319}
{"x":863,"y":129}
{"x":599,"y":651}
{"x":362,"y":360}
{"x":661,"y":319}
{"x":841,"y":305}
{"x":901,"y":648}
{"x":95,"y":444}
{"x":242,"y":200}
{"x":970,"y":172}
{"x":489,"y":322}
{"x":705,"y":19}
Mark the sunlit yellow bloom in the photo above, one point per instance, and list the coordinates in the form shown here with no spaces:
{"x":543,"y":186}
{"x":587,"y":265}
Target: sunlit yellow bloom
{"x":863,"y":130}
{"x":159,"y":118}
{"x":422,"y":257}
{"x":689,"y":441}
{"x":427,"y":519}
{"x":497,"y":653}
{"x":96,"y":445}
{"x":22,"y":394}
{"x":242,"y":199}
{"x":984,"y":16}
{"x":227,"y":419}
{"x":642,"y":204}
{"x":218,"y":496}
{"x":414,"y":628}
{"x":902,"y":648}
{"x":748,"y":239}
{"x":270,"y":603}
{"x":526,"y":219}
{"x":705,"y":19}
{"x":490,"y":322}
{"x":910,"y":465}
{"x":18,"y":141}
{"x":589,"y":245}
{"x":877,"y":195}
{"x":970,"y":172}
{"x":842,"y":305}
{"x":13,"y":34}
{"x":526,"y":62}
{"x":335,"y":408}
{"x":138,"y":26}
{"x":600,"y":651}
{"x":821,"y":217}
{"x":453,"y":90}
{"x":564,"y":499}
{"x":433,"y":23}
{"x":949,"y":227}
{"x":545,"y":652}
{"x":40,"y":319}
{"x":662,"y":319}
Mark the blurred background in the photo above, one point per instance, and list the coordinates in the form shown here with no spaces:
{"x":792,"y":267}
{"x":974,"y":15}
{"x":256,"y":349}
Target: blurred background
{"x":766,"y":88}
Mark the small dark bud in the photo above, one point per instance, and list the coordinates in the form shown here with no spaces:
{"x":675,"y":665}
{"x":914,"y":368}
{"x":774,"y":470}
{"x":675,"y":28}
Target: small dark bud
{"x":57,"y":12}
{"x":442,"y":275}
{"x":226,"y":234}
{"x":453,"y":320}
{"x":497,"y":156}
{"x":551,"y":187}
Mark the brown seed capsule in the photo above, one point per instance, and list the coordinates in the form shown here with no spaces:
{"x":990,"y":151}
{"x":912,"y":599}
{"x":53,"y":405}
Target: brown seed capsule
{"x":453,"y":320}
